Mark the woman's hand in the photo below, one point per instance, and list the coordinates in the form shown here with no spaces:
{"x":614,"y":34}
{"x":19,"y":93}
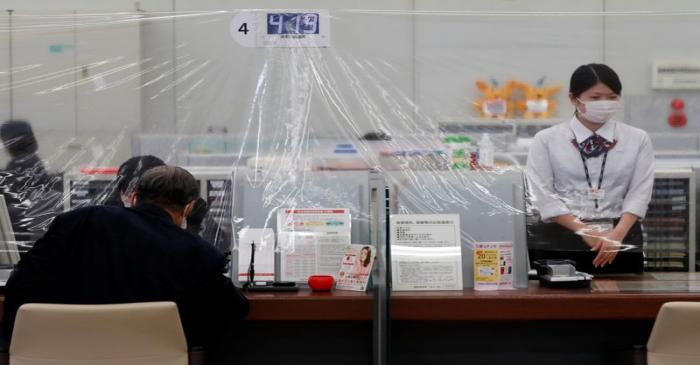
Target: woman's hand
{"x":608,"y":247}
{"x":606,"y":243}
{"x":611,"y":243}
{"x":592,"y":238}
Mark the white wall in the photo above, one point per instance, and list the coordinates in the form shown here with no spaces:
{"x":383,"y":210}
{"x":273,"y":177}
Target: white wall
{"x":377,"y":65}
{"x":158,"y":52}
{"x":222,"y":75}
{"x":632,"y":43}
{"x":436,"y":57}
{"x":454,"y":48}
{"x":76,"y":80}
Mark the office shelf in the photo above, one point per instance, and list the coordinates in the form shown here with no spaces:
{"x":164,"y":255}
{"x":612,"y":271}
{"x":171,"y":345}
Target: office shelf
{"x":669,"y":227}
{"x":515,"y":126}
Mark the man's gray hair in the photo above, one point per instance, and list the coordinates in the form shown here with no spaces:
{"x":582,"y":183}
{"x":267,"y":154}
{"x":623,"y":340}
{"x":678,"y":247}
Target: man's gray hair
{"x":168,"y":187}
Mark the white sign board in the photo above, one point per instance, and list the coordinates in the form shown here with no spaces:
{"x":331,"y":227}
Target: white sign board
{"x":312,"y":241}
{"x":426,"y":252}
{"x":676,"y":75}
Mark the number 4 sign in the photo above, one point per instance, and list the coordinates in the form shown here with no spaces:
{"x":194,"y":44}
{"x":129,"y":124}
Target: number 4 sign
{"x":281,"y":28}
{"x":243,"y":28}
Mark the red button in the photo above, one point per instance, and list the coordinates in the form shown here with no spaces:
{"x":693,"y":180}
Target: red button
{"x":677,"y":104}
{"x":321,"y":282}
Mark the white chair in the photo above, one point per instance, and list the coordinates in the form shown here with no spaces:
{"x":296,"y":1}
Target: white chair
{"x":124,"y":334}
{"x":675,"y":339}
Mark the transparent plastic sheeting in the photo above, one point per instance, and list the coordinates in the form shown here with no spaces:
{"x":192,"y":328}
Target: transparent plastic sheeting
{"x":309,"y":113}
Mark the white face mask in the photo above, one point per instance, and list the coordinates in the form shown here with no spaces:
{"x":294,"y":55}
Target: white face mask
{"x":599,"y":111}
{"x":495,"y":107}
{"x":537,"y":106}
{"x":183,"y":225}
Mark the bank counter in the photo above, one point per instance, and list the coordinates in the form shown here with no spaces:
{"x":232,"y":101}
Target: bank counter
{"x":608,"y":323}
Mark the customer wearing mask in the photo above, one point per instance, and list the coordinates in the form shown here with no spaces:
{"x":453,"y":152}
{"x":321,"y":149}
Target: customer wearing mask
{"x":107,"y":254}
{"x":127,"y":179}
{"x":591,"y":180}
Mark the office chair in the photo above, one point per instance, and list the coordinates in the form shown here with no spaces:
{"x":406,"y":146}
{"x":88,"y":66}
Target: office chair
{"x":125,"y":334}
{"x":675,"y":338}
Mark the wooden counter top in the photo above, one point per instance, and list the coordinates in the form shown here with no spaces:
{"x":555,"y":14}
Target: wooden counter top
{"x":308,"y":306}
{"x":623,"y":298}
{"x":610,"y":299}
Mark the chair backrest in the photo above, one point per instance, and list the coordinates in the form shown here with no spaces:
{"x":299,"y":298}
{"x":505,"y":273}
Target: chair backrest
{"x":124,"y":334}
{"x":675,"y":339}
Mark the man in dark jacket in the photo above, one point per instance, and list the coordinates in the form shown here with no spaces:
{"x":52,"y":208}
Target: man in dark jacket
{"x":124,"y":186}
{"x":108,"y":254}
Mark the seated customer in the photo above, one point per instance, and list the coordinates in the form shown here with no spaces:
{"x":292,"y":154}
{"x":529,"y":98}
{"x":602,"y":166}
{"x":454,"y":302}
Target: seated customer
{"x":108,"y":254}
{"x":127,"y":179}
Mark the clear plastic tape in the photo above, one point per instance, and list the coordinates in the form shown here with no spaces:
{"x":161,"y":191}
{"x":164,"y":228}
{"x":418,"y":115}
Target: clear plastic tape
{"x":408,"y":95}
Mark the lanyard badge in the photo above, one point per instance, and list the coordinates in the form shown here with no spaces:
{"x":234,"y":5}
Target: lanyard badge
{"x":596,"y":194}
{"x":594,"y":146}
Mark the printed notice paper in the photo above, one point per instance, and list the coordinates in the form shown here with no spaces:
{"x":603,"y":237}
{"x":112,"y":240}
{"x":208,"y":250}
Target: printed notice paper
{"x":356,"y":268}
{"x":312,"y":241}
{"x":426,"y":252}
{"x":493,"y":265}
{"x":264,"y":239}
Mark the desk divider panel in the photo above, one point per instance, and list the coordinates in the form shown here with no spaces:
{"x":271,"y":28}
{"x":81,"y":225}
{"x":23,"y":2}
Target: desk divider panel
{"x":490,"y":205}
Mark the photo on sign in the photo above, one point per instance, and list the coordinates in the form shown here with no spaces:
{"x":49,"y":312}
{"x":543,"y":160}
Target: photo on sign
{"x":356,"y":268}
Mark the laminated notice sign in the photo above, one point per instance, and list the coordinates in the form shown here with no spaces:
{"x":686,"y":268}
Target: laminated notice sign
{"x":493,"y":265}
{"x":426,"y":252}
{"x":312,"y":241}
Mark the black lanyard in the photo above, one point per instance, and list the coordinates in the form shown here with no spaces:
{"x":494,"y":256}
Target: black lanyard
{"x":588,"y":175}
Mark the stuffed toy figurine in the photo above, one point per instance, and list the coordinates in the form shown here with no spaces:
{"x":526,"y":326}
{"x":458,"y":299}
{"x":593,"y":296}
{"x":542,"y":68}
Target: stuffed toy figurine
{"x":495,"y":102}
{"x":538,"y":102}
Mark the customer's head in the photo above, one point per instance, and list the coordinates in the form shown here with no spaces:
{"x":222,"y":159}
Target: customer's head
{"x":171,"y":188}
{"x":130,"y":172}
{"x":18,"y":138}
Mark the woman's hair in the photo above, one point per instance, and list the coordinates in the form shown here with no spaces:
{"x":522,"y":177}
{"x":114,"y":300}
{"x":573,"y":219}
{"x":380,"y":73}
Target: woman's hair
{"x":132,"y":169}
{"x":586,"y":76}
{"x":368,"y":259}
{"x":128,"y":175}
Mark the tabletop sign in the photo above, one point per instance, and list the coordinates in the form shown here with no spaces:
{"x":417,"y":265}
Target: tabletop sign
{"x":312,"y":241}
{"x":426,"y":252}
{"x":356,"y":268}
{"x":281,"y":28}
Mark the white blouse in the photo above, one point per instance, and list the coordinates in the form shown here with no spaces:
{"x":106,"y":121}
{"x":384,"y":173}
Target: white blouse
{"x":557,"y":180}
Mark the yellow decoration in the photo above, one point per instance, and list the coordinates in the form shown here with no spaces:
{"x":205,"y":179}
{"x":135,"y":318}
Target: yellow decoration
{"x":539,"y":102}
{"x":495,"y":102}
